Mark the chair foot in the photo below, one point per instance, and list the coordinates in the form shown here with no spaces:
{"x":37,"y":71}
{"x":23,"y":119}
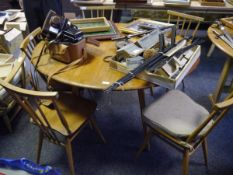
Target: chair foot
{"x":98,"y":131}
{"x":90,"y":125}
{"x":39,"y":146}
{"x":7,"y":123}
{"x":205,"y":151}
{"x":69,"y":153}
{"x":212,"y":47}
{"x":151,"y":91}
{"x":185,"y":162}
{"x":183,"y":85}
{"x":145,"y":144}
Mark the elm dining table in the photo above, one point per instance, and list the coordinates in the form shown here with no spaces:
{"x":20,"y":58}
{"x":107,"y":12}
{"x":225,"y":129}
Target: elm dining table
{"x":227,"y":50}
{"x":94,"y":73}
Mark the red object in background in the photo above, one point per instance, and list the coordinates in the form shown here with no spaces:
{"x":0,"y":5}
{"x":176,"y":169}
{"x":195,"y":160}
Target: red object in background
{"x":2,"y":173}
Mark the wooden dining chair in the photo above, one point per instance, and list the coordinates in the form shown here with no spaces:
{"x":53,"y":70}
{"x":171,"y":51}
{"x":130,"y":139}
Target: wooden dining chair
{"x":97,"y":11}
{"x":182,"y":122}
{"x":60,"y":117}
{"x":7,"y":103}
{"x":184,"y":23}
{"x":187,"y":26}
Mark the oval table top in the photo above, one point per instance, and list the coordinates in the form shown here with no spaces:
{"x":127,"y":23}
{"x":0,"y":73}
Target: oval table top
{"x":94,"y":73}
{"x":219,"y":42}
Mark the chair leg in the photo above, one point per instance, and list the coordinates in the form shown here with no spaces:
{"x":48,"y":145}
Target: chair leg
{"x":90,"y":125}
{"x":94,"y":125}
{"x":185,"y":162}
{"x":205,"y":151}
{"x":69,"y":153}
{"x":39,"y":146}
{"x":151,"y":91}
{"x":145,"y":144}
{"x":23,"y":77}
{"x":212,"y":47}
{"x":7,"y":122}
{"x":183,"y":85}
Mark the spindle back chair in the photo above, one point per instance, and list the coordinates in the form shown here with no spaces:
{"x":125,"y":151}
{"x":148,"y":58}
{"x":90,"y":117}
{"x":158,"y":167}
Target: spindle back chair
{"x":183,"y":123}
{"x":97,"y":11}
{"x":60,"y":117}
{"x":184,"y":22}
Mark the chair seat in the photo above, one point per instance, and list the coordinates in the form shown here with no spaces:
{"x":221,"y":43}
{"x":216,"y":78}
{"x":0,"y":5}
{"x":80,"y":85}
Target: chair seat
{"x":176,"y":114}
{"x":75,"y":109}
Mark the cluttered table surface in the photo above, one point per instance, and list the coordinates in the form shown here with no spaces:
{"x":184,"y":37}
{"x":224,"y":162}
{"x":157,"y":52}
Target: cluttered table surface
{"x":218,"y":42}
{"x":213,"y":32}
{"x":94,"y":73}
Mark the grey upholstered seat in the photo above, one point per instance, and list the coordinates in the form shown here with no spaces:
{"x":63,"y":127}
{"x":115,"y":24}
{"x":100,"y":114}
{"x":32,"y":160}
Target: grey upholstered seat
{"x":175,"y":113}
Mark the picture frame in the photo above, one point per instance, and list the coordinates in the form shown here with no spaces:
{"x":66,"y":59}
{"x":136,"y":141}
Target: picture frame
{"x":135,"y":26}
{"x":112,"y":33}
{"x":89,"y":25}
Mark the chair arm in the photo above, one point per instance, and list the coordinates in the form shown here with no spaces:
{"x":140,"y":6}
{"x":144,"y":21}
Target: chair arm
{"x":224,"y":104}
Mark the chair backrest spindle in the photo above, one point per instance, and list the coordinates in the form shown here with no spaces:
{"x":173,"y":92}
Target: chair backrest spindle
{"x":184,"y":22}
{"x":97,"y":11}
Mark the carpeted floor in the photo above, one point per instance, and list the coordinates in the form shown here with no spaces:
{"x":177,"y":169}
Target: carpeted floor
{"x":119,"y":120}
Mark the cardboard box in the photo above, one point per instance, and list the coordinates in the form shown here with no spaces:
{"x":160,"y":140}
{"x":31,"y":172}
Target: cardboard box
{"x":22,"y":26}
{"x":10,"y":40}
{"x":164,"y":80}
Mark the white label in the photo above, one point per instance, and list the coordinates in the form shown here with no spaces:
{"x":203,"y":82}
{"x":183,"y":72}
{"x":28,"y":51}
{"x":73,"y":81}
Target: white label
{"x":105,"y":82}
{"x":53,"y":30}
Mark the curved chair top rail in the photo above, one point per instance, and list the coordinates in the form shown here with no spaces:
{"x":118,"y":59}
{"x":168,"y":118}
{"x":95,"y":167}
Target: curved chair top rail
{"x":30,"y":42}
{"x":100,"y":11}
{"x":184,"y":21}
{"x":26,"y":92}
{"x":184,"y":15}
{"x":17,"y":65}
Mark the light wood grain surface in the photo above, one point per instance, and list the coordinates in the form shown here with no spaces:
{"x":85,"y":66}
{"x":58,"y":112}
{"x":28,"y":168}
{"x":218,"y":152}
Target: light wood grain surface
{"x":94,"y":73}
{"x":219,"y":42}
{"x":225,"y":48}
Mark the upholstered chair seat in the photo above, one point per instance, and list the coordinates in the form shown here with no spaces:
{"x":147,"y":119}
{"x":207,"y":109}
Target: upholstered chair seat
{"x":176,"y":113}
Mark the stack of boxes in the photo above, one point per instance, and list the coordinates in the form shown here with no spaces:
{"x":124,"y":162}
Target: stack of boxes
{"x":13,"y":28}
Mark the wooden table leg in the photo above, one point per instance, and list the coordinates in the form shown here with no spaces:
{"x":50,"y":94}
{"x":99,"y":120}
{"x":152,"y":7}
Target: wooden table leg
{"x":222,"y":79}
{"x":141,"y":97}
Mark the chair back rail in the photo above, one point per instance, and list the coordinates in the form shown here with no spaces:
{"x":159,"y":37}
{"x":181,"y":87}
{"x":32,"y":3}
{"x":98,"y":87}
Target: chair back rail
{"x":184,"y":21}
{"x":27,"y":47}
{"x":218,"y":112}
{"x":30,"y":42}
{"x":31,"y":101}
{"x":97,"y":11}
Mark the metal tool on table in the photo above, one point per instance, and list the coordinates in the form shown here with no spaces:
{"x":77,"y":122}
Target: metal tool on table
{"x":154,"y":61}
{"x":225,"y":36}
{"x":124,"y":40}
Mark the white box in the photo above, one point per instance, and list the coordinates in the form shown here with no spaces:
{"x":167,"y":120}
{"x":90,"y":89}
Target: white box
{"x":162,"y":80}
{"x":10,"y":40}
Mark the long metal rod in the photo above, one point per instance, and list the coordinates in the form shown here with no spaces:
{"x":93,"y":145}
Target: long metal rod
{"x":155,"y":60}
